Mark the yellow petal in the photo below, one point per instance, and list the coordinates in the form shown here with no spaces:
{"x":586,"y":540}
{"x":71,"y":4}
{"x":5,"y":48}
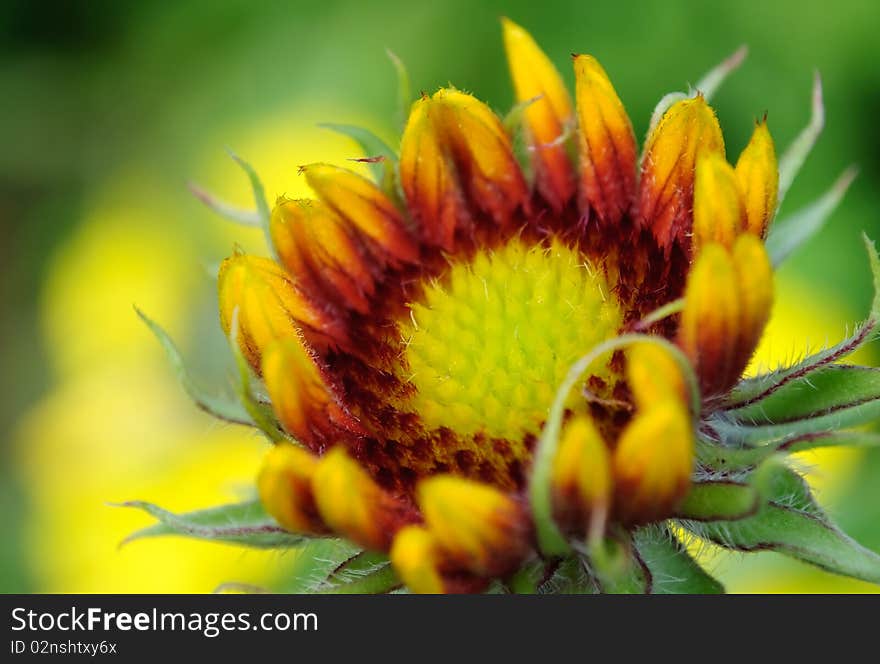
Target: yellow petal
{"x":757,"y":174}
{"x":353,"y":505}
{"x":653,"y":374}
{"x":546,"y":118}
{"x":653,"y":462}
{"x":710,"y":321}
{"x":285,"y":488}
{"x":414,"y":557}
{"x":581,"y":476}
{"x":607,"y":143}
{"x":687,"y":130}
{"x":475,"y":525}
{"x":718,"y":212}
{"x":755,"y":278}
{"x":366,"y":208}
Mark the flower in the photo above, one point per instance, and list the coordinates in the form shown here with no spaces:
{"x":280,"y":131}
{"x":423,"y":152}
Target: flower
{"x":486,"y":364}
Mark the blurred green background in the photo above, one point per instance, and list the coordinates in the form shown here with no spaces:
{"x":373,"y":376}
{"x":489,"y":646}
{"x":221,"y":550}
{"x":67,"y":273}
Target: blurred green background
{"x":109,"y":108}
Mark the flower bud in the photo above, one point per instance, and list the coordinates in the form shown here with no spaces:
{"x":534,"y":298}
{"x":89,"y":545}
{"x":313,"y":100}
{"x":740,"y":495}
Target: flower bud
{"x":475,"y":140}
{"x":728,"y":297}
{"x":428,"y":179}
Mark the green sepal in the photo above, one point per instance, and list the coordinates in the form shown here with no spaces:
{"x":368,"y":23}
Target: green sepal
{"x":618,"y":567}
{"x":828,"y":399}
{"x":789,"y":233}
{"x":226,"y":409}
{"x":244,"y":523}
{"x":729,"y":459}
{"x":404,"y":89}
{"x":790,"y":522}
{"x":259,"y":192}
{"x":371,"y":145}
{"x":673,"y":570}
{"x":719,"y":500}
{"x":366,"y":573}
{"x":794,"y":157}
{"x":224,"y":209}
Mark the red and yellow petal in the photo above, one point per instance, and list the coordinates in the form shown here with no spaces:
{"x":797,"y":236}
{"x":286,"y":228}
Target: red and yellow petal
{"x":301,"y":395}
{"x":353,"y":505}
{"x":363,"y":205}
{"x":270,"y":306}
{"x":688,"y":130}
{"x":427,"y":175}
{"x":653,"y":374}
{"x":606,"y":142}
{"x":547,"y":118}
{"x":486,"y":167}
{"x":323,"y":255}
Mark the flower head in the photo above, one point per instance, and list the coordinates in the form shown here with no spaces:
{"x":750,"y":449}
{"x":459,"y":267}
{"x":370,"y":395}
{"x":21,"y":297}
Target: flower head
{"x":483,"y":359}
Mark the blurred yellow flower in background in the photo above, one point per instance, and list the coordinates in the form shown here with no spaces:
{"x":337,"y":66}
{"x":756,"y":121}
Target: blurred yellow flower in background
{"x":116,"y":425}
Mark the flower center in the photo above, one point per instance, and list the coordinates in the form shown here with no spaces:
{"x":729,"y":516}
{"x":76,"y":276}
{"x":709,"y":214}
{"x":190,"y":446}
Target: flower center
{"x":487,"y":347}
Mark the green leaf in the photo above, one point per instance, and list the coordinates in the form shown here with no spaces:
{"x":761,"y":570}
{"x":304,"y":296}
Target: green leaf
{"x":794,"y":157}
{"x":238,"y":523}
{"x":223,"y":408}
{"x":754,"y":390}
{"x":673,"y":570}
{"x":719,"y":500}
{"x":791,"y":523}
{"x":789,"y":233}
{"x":828,"y":399}
{"x":259,"y":192}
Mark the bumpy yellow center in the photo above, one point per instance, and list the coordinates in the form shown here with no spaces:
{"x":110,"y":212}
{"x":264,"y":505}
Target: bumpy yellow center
{"x":488,"y":346}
